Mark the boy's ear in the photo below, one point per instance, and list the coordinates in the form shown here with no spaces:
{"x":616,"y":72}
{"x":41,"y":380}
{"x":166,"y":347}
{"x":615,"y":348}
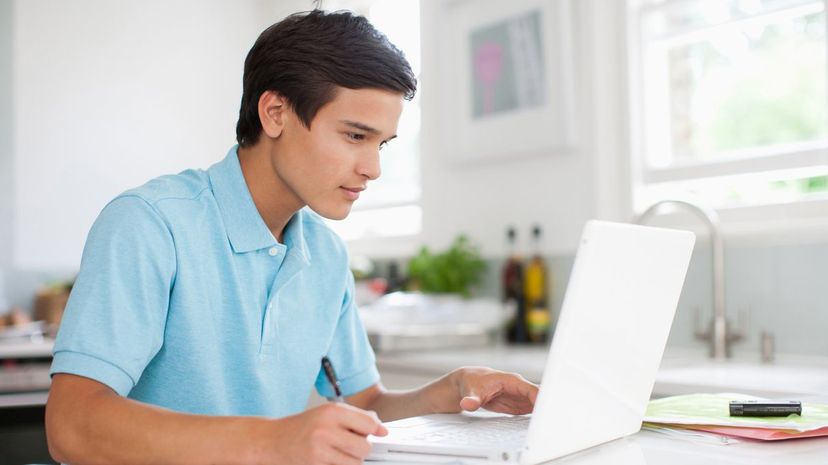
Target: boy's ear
{"x":273,"y":107}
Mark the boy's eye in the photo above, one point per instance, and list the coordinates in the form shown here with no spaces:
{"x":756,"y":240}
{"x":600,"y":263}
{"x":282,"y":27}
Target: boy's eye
{"x":383,"y":144}
{"x":355,"y":136}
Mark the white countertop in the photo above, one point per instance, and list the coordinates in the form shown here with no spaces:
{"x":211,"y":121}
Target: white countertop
{"x":25,"y":384}
{"x":650,"y":448}
{"x":26,"y":348}
{"x":682,"y":371}
{"x":24,"y":399}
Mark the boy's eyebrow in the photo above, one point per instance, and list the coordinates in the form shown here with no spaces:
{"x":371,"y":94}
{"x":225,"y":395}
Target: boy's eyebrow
{"x":357,"y":125}
{"x":363,"y":127}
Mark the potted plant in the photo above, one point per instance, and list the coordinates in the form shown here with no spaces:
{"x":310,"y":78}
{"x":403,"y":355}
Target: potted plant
{"x":454,"y":271}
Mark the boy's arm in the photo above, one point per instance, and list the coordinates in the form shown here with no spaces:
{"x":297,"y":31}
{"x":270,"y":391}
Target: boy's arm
{"x":467,"y":388}
{"x":88,"y":423}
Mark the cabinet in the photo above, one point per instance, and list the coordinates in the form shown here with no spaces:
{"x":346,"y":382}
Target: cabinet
{"x":24,"y":386}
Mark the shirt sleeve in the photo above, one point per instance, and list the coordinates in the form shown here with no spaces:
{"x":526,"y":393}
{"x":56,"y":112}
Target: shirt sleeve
{"x":114,"y":321}
{"x":350,"y":352}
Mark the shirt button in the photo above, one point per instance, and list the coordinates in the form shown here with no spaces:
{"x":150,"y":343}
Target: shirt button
{"x":273,"y":251}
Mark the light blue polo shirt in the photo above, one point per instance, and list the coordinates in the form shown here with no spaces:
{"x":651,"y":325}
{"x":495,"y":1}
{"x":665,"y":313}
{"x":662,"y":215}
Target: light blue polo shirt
{"x":185,"y":300}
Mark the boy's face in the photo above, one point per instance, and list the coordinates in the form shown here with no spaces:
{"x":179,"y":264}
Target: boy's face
{"x":328,"y":165}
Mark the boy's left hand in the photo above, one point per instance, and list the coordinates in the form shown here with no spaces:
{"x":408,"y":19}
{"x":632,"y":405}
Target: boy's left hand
{"x":497,"y":391}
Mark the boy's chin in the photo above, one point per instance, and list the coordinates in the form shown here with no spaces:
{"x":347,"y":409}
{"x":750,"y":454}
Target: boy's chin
{"x":335,"y":213}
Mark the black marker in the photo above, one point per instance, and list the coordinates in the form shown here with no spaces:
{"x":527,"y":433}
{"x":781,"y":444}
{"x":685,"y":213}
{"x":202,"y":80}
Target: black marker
{"x":327,"y":366}
{"x":765,"y":408}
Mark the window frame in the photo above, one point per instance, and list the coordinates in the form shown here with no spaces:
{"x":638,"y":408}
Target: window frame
{"x":802,"y":219}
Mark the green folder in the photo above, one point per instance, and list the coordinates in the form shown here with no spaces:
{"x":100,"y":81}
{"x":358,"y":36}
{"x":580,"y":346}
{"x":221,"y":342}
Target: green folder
{"x":712,"y":409}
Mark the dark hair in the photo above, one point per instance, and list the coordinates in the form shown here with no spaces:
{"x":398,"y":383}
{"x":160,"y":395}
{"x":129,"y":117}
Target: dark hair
{"x":306,"y":56}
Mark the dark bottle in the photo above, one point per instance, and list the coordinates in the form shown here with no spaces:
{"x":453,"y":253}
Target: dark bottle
{"x":512,"y":290}
{"x":395,"y":281}
{"x":538,"y":316}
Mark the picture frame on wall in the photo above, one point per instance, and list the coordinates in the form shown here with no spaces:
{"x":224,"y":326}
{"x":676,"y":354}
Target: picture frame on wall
{"x":508,"y":76}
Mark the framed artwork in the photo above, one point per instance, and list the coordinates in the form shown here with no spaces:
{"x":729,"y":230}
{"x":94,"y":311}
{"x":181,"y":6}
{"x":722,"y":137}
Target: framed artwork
{"x":507,"y":68}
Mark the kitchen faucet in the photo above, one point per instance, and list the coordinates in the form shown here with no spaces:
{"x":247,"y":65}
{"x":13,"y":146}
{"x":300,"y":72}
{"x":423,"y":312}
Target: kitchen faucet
{"x":720,"y":336}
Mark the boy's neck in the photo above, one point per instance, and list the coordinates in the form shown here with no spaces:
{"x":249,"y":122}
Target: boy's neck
{"x":274,"y":200}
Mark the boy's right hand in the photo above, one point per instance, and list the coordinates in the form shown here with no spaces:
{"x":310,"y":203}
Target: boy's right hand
{"x":333,"y":433}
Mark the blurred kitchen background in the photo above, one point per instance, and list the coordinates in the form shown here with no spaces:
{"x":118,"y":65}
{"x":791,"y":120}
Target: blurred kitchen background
{"x":532,"y":116}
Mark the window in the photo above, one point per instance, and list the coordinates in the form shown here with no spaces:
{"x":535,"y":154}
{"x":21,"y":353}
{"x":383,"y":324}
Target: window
{"x":390,"y":207}
{"x":729,"y":101}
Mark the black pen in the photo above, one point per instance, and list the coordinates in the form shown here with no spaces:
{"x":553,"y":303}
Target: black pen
{"x":327,"y":366}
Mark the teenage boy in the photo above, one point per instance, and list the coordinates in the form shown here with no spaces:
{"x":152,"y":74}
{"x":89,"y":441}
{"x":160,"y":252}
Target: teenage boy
{"x":207,"y":299}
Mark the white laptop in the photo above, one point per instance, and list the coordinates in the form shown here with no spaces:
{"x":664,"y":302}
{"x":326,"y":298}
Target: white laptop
{"x":605,"y":352}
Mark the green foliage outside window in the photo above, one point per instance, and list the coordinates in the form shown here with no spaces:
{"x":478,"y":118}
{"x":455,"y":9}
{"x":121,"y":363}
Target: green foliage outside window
{"x":750,"y":88}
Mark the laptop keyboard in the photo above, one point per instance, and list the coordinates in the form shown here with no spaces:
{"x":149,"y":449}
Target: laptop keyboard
{"x":479,"y":432}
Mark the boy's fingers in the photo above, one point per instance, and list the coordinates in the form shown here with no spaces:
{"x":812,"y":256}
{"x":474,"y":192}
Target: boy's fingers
{"x":352,"y":444}
{"x":362,"y":422}
{"x":517,"y":385}
{"x":470,"y":403}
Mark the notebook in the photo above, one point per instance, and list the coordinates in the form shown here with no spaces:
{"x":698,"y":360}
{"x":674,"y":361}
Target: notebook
{"x":602,"y":363}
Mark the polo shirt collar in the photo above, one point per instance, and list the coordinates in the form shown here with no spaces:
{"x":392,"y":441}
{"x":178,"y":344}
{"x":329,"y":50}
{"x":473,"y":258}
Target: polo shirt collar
{"x":245,"y":227}
{"x":294,"y":237}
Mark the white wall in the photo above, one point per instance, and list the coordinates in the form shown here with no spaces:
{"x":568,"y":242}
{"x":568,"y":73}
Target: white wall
{"x":5,"y":134}
{"x":124,"y":91}
{"x":559,"y":191}
{"x":110,"y":94}
{"x":6,"y":166}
